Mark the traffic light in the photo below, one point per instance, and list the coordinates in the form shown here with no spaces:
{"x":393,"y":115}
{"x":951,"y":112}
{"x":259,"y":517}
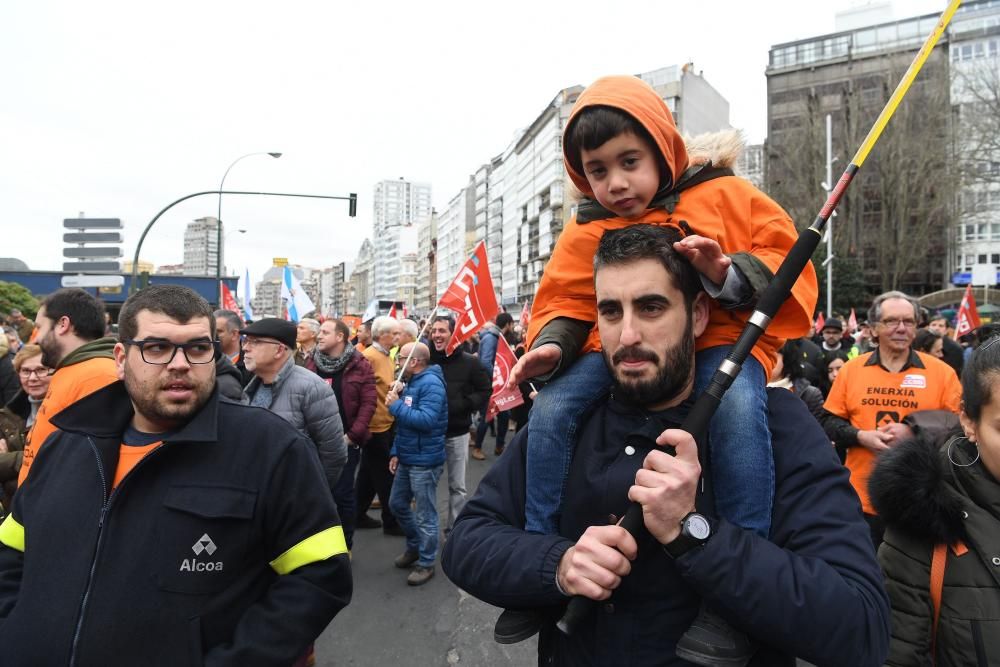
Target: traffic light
{"x":353,"y":210}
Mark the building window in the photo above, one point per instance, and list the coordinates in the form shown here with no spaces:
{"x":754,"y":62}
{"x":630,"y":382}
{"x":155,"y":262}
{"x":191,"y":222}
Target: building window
{"x":981,"y":259}
{"x":995,"y":258}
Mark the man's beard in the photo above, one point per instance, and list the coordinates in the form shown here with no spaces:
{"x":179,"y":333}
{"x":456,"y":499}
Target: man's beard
{"x":51,"y":354}
{"x":672,"y":376}
{"x":151,"y":403}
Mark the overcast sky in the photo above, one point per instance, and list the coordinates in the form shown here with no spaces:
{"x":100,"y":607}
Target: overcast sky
{"x":116,"y":109}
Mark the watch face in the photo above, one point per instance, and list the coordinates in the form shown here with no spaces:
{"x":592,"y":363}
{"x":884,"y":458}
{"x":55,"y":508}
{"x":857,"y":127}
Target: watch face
{"x":698,"y":528}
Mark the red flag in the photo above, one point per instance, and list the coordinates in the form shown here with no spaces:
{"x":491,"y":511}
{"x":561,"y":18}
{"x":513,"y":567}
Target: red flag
{"x":502,"y":399}
{"x":471,"y":295}
{"x":405,"y":314}
{"x":228,"y":301}
{"x":852,"y":322}
{"x":392,"y":312}
{"x":525,"y":316}
{"x":968,"y":315}
{"x":820,"y":321}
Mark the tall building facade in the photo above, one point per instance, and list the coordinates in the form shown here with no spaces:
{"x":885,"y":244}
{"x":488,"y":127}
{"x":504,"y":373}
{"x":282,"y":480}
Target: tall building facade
{"x":426,"y":295}
{"x":360,"y":290}
{"x":906,"y":223}
{"x":335,"y":289}
{"x":456,"y":229}
{"x":398,"y":204}
{"x":201,"y":247}
{"x":975,"y":98}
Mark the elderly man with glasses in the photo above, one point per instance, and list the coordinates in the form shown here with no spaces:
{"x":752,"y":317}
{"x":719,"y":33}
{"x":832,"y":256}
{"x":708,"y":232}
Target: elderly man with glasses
{"x":875,"y":392}
{"x":290,"y":391}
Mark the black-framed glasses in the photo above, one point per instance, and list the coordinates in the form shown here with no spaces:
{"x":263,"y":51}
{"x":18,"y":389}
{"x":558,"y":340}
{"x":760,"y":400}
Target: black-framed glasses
{"x":162,"y":352}
{"x":39,"y":373}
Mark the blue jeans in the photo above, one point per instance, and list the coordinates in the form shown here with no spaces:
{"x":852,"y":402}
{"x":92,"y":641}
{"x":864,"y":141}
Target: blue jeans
{"x":742,"y":467}
{"x":741,"y":460}
{"x":558,"y":410}
{"x":421,"y":528}
{"x":502,"y":421}
{"x":343,"y":494}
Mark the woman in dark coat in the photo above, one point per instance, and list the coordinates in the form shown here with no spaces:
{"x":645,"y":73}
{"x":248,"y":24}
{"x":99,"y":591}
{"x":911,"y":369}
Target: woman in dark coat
{"x":945,"y":491}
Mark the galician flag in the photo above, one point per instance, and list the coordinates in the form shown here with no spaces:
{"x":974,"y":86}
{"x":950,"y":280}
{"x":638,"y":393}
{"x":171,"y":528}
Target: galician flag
{"x":244,"y":288}
{"x":296,"y":300}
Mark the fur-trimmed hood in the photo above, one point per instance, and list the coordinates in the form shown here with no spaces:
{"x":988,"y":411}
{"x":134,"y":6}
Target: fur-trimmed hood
{"x":912,"y":488}
{"x":723,"y":148}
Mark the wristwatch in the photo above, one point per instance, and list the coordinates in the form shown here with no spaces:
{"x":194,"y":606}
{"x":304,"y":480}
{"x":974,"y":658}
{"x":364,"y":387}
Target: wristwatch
{"x":695,"y":531}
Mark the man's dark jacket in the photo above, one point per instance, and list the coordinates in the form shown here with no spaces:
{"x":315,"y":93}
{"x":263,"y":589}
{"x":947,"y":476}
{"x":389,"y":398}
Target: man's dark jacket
{"x":469,"y":385}
{"x":180,"y":564}
{"x":357,"y":394}
{"x":814,"y":590}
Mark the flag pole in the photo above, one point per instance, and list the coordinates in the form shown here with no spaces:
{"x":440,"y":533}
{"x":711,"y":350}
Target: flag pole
{"x":774,"y":295}
{"x":406,"y":362}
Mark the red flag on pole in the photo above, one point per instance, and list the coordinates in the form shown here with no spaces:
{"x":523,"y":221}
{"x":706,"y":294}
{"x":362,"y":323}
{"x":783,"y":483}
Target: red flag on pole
{"x":852,"y":322}
{"x":525,"y":316}
{"x":392,"y":312}
{"x":228,"y":301}
{"x":503,"y":399}
{"x":820,"y":322}
{"x":968,"y":315}
{"x":472,"y":297}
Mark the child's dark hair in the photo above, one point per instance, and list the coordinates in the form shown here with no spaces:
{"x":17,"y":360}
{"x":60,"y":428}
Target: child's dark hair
{"x":595,"y":126}
{"x":638,"y":242}
{"x":980,"y":371}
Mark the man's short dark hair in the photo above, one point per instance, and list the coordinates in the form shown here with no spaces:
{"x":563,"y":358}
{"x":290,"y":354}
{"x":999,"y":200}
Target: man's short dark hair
{"x":595,"y":126}
{"x":84,"y":310}
{"x":503,"y":319}
{"x":233,"y":320}
{"x":180,"y":303}
{"x":638,"y":242}
{"x":342,"y":328}
{"x":445,"y":318}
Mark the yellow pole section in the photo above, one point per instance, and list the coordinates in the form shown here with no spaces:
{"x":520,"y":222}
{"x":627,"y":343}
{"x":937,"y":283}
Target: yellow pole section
{"x":904,"y":84}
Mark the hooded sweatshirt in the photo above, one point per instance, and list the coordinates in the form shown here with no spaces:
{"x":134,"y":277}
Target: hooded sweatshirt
{"x":727,"y":209}
{"x":81,"y":372}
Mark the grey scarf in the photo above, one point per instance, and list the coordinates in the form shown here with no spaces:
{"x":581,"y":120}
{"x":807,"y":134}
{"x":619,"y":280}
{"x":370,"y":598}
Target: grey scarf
{"x":328,"y":364}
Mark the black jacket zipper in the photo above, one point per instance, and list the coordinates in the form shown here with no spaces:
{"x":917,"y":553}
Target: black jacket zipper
{"x":100,"y":536}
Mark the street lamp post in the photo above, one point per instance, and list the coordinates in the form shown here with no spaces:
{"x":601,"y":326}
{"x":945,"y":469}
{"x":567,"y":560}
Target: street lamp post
{"x":218,"y":217}
{"x":351,"y":199}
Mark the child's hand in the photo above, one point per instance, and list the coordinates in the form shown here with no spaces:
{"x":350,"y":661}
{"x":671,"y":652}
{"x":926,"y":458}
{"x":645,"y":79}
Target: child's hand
{"x":541,"y":360}
{"x":706,"y":257}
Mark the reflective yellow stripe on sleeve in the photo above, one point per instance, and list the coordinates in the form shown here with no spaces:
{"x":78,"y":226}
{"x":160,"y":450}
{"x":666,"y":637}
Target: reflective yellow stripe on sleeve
{"x":12,"y":533}
{"x":323,"y":545}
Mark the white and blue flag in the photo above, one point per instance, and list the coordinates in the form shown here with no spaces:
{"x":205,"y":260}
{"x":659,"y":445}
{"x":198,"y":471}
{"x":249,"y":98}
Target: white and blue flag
{"x":244,"y":289}
{"x":296,"y":300}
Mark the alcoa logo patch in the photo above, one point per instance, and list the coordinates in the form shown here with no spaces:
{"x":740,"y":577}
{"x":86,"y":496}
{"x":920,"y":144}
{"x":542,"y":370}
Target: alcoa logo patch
{"x":204,"y":545}
{"x":914,"y":381}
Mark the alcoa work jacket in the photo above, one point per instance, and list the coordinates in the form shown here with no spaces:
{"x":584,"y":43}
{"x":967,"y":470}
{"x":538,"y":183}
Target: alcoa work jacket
{"x":220,"y":547}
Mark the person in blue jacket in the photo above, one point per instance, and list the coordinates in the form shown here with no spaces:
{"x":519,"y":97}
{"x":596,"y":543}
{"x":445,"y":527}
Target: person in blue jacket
{"x":812,"y":589}
{"x":417,"y":457}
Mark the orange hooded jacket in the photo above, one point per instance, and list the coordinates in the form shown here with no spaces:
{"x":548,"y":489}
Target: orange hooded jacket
{"x":728,"y":209}
{"x":80,"y":374}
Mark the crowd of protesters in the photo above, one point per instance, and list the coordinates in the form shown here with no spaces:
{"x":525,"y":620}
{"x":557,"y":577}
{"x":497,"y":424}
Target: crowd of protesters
{"x":388,"y":412}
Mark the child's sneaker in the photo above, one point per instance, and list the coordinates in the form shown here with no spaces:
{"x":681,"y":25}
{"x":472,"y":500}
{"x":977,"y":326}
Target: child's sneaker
{"x":711,"y":641}
{"x":516,"y":625}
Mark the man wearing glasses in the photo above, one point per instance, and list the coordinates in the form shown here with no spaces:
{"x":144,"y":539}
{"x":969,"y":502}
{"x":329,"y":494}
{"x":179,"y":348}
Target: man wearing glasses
{"x":164,"y":526}
{"x":874,"y":392}
{"x":293,"y":393}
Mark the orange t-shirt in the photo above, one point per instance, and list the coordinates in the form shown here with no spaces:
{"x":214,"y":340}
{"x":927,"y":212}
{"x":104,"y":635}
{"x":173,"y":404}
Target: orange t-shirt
{"x":128,"y":457}
{"x":869,"y":396}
